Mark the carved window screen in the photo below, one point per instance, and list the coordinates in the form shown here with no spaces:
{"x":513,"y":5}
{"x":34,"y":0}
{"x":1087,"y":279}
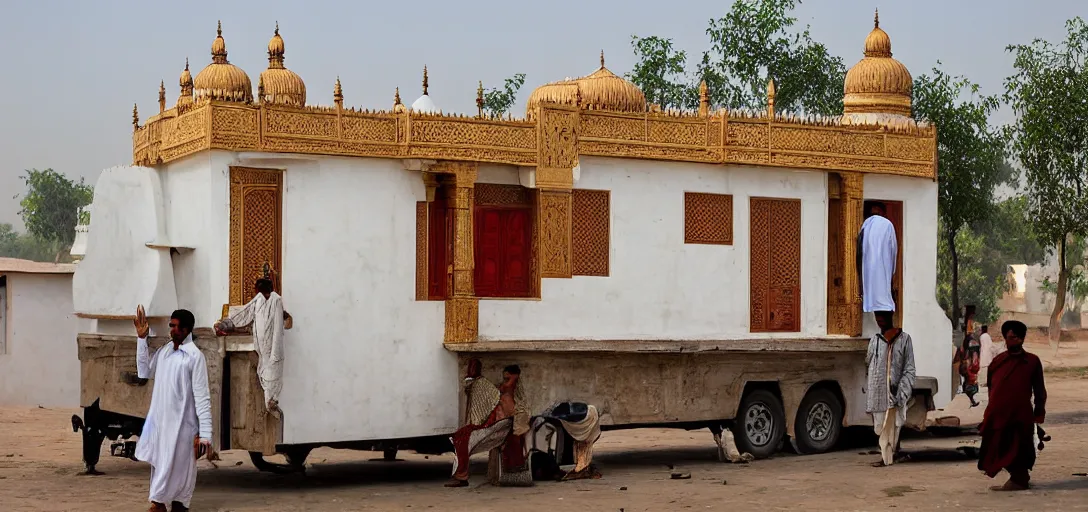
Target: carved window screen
{"x":590,"y":232}
{"x":255,"y":229}
{"x":775,"y":266}
{"x":708,"y":218}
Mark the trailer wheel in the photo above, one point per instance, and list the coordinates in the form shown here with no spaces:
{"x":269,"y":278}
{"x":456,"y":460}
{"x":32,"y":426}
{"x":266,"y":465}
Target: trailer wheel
{"x":760,"y":424}
{"x":819,"y":422}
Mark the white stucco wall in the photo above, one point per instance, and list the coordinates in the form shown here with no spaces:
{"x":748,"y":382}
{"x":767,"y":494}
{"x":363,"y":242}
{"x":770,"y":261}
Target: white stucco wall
{"x":923,"y":318}
{"x":364,"y":359}
{"x":660,"y":287}
{"x":41,"y":364}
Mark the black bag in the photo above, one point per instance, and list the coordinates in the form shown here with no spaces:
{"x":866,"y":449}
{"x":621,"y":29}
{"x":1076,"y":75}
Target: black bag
{"x":569,"y":411}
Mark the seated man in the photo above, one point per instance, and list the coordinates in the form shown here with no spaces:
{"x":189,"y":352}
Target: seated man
{"x":265,"y":312}
{"x":495,"y":418}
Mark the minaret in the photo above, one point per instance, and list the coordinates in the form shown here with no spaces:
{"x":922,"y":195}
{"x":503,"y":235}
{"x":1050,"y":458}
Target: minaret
{"x":162,"y":96}
{"x":704,"y":99}
{"x":135,"y":118}
{"x":338,"y":94}
{"x":480,"y":100}
{"x":770,"y":99}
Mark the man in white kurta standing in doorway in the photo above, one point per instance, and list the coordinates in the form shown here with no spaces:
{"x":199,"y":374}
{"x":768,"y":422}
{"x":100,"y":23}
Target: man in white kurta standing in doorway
{"x":876,"y":253}
{"x":265,"y":313}
{"x":178,"y":428}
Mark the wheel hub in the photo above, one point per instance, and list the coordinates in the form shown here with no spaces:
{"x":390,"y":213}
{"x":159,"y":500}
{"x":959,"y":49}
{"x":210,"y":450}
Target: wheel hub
{"x":819,"y":422}
{"x":759,"y":424}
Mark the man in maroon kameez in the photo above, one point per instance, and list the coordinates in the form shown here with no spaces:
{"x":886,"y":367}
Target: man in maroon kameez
{"x":1008,"y":425}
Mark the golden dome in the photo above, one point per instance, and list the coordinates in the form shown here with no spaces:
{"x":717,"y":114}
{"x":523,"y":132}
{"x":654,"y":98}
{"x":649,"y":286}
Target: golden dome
{"x":601,"y":90}
{"x":878,"y":84}
{"x":222,"y":80}
{"x":279,"y":84}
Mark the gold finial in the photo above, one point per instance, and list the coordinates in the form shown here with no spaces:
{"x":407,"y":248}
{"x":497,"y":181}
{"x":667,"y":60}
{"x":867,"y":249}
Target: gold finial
{"x":704,"y":99}
{"x":219,"y":28}
{"x":338,"y":94}
{"x":425,"y":82}
{"x":219,"y":46}
{"x":277,"y":28}
{"x":396,"y":97}
{"x":186,"y":63}
{"x":260,"y":88}
{"x":602,"y":59}
{"x":135,"y":117}
{"x":480,"y":99}
{"x":876,"y":18}
{"x":162,"y":96}
{"x":770,"y":98}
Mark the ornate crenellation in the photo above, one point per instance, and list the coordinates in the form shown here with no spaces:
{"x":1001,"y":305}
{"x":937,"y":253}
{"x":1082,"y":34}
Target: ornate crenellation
{"x":552,"y":141}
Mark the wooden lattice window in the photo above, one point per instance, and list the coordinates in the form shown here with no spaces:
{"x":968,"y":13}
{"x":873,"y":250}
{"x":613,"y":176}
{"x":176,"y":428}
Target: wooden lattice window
{"x":708,"y":218}
{"x":775,"y":265}
{"x":590,"y":212}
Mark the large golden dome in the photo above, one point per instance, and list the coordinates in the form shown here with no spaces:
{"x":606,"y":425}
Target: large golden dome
{"x":878,"y":84}
{"x":601,"y":90}
{"x":222,"y":80}
{"x":279,"y":84}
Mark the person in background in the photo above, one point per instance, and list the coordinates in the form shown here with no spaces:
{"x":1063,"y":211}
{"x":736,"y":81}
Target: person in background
{"x":988,"y":351}
{"x":876,"y":252}
{"x":890,"y":384}
{"x":1009,"y":423}
{"x":968,"y":357}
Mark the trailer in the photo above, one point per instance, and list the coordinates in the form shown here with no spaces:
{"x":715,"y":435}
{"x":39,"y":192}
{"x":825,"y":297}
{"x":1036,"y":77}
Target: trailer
{"x":681,"y":269}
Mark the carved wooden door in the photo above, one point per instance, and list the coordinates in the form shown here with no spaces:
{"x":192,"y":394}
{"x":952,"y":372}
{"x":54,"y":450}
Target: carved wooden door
{"x":775,"y":265}
{"x":438,"y":253}
{"x":256,"y":197}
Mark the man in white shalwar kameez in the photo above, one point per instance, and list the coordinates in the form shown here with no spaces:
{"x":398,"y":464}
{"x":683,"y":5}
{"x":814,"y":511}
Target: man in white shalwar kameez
{"x":877,"y":248}
{"x":265,"y":313}
{"x":180,"y":411}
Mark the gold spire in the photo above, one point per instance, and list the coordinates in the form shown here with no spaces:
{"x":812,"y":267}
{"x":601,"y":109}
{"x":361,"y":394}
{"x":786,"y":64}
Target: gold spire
{"x":338,"y":94}
{"x":878,"y":84}
{"x":704,"y":99}
{"x":275,"y":49}
{"x":162,"y":96}
{"x":260,"y":88}
{"x":135,"y":117}
{"x":876,"y":18}
{"x":480,"y":99}
{"x":397,"y":105}
{"x":186,"y":83}
{"x":425,"y":83}
{"x":602,"y":59}
{"x":770,"y":98}
{"x":221,"y":80}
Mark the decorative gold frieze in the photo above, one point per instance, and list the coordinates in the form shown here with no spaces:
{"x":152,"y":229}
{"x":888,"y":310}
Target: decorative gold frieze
{"x":555,"y":232}
{"x":551,"y":142}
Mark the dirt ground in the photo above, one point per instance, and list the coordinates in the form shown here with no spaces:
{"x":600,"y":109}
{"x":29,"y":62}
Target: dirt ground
{"x":40,"y":466}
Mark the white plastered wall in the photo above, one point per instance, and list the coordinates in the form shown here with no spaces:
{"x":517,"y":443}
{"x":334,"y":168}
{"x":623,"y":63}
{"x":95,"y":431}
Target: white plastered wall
{"x":660,"y":287}
{"x":40,"y":365}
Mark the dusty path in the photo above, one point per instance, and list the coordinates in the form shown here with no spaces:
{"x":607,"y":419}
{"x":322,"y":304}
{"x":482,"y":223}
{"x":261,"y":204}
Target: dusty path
{"x":39,"y":464}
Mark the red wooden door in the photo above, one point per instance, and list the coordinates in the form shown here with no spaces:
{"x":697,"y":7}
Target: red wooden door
{"x":437,"y":250}
{"x":515,"y":268}
{"x":488,"y":251}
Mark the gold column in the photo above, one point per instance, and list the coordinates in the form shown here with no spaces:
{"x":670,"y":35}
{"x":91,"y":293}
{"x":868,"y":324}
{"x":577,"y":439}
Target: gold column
{"x":853,"y":197}
{"x":462,"y":307}
{"x":557,"y":157}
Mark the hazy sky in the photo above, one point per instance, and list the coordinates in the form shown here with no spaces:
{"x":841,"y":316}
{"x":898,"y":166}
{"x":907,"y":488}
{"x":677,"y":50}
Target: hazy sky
{"x":72,"y":69}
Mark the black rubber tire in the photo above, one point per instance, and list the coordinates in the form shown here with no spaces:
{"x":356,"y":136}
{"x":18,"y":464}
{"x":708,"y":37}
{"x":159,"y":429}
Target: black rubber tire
{"x":296,"y":457}
{"x":804,"y":442}
{"x":766,"y":399}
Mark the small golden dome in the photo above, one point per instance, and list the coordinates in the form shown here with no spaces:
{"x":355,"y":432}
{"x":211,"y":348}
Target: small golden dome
{"x":601,"y":90}
{"x":878,"y":84}
{"x":222,"y":80}
{"x":280,"y":85}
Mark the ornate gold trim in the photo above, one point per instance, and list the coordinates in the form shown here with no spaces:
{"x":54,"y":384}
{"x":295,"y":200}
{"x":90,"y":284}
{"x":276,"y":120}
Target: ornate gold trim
{"x":244,"y":180}
{"x":551,"y":142}
{"x":555,"y":233}
{"x":421,"y":250}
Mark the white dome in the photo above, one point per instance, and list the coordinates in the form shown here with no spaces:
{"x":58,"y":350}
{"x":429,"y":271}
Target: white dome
{"x":424,"y":105}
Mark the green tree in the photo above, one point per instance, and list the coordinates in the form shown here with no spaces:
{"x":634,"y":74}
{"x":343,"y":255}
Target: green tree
{"x":28,"y":247}
{"x":754,"y":42}
{"x":51,"y":205}
{"x":1049,"y":95}
{"x":970,"y":161}
{"x":500,"y":100}
{"x":981,"y":279}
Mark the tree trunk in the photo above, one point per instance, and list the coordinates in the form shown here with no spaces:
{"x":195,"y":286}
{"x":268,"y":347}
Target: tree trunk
{"x":951,"y":234}
{"x":1059,"y":301}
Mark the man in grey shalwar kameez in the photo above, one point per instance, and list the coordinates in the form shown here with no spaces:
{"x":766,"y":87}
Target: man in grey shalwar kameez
{"x":890,"y":362}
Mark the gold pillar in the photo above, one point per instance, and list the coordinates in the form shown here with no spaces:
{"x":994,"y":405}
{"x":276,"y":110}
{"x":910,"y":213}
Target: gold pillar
{"x":557,"y":157}
{"x":853,"y":198}
{"x":462,"y":306}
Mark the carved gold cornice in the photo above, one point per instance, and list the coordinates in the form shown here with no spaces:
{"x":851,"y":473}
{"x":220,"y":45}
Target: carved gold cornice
{"x":553,"y":140}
